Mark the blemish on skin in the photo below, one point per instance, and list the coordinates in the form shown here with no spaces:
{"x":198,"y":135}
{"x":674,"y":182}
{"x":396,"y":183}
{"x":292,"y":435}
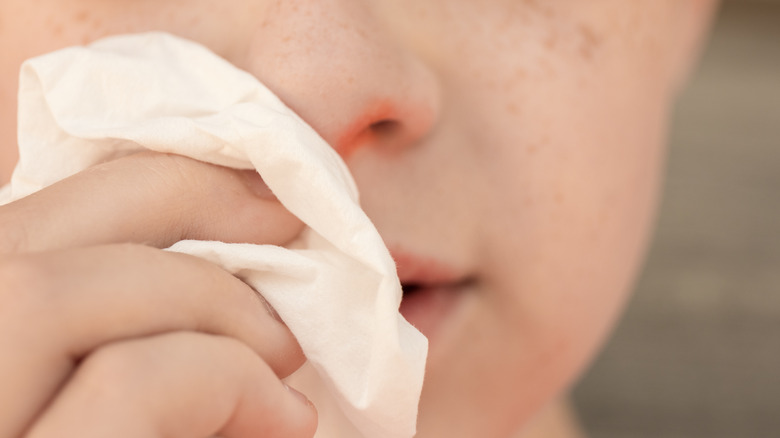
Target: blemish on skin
{"x":559,"y":197}
{"x":533,"y":4}
{"x":512,"y":108}
{"x":589,"y":41}
{"x":422,"y":11}
{"x":532,"y":149}
{"x":85,"y":19}
{"x":551,"y":42}
{"x":542,"y":9}
{"x":81,"y":16}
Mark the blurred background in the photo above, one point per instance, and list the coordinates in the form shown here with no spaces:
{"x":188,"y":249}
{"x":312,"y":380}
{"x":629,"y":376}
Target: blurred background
{"x":698,"y":351}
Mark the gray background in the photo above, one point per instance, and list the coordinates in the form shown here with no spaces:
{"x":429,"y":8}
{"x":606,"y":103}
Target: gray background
{"x":698,"y":352}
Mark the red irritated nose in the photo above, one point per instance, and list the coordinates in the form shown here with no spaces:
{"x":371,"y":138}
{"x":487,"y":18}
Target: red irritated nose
{"x":387,"y":124}
{"x":334,"y":63}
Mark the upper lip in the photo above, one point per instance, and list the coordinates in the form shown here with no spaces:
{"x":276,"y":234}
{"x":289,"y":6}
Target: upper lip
{"x":416,"y":270}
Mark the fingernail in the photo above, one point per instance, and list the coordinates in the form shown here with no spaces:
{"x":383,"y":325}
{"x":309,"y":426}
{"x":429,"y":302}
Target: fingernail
{"x":255,"y":183}
{"x":298,"y":395}
{"x":269,"y":308}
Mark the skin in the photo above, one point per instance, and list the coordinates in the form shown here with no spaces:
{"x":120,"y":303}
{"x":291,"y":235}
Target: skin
{"x":519,"y":142}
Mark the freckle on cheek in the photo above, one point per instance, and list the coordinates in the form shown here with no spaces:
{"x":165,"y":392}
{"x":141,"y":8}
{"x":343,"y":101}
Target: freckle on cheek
{"x":589,"y":41}
{"x":81,"y":16}
{"x":551,"y":42}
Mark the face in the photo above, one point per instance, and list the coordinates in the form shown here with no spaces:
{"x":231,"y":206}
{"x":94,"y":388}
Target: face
{"x":507,"y":151}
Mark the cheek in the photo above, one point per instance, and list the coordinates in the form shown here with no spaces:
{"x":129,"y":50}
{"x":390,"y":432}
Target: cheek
{"x":573,"y":216}
{"x":570,"y":191}
{"x":570,"y":221}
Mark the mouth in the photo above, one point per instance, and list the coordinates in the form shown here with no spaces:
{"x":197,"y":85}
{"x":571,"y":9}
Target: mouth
{"x":431,"y":291}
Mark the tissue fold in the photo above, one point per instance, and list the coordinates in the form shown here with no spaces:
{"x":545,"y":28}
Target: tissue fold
{"x":337,"y":290}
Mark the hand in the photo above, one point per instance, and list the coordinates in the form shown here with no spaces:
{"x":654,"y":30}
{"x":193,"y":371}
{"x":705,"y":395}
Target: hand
{"x":103,"y":334}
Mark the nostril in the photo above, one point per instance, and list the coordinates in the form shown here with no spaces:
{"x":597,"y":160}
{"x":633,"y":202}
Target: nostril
{"x":390,"y":125}
{"x":385,"y":128}
{"x":383,"y":132}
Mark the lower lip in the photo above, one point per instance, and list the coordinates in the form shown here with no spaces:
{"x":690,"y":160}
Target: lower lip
{"x":427,"y":308}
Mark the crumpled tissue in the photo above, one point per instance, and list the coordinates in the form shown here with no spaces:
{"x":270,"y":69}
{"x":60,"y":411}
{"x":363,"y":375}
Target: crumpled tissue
{"x":337,"y":290}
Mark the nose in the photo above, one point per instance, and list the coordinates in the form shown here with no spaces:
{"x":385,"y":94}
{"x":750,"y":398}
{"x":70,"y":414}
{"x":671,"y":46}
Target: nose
{"x":333,"y":63}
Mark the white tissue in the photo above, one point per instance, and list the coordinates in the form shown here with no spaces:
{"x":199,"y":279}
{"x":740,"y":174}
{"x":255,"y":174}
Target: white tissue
{"x":337,"y":291}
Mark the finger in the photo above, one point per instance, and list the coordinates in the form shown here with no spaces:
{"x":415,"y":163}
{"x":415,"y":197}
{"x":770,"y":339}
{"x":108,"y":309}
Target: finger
{"x":155,"y":199}
{"x":74,"y":313}
{"x":176,"y":385}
